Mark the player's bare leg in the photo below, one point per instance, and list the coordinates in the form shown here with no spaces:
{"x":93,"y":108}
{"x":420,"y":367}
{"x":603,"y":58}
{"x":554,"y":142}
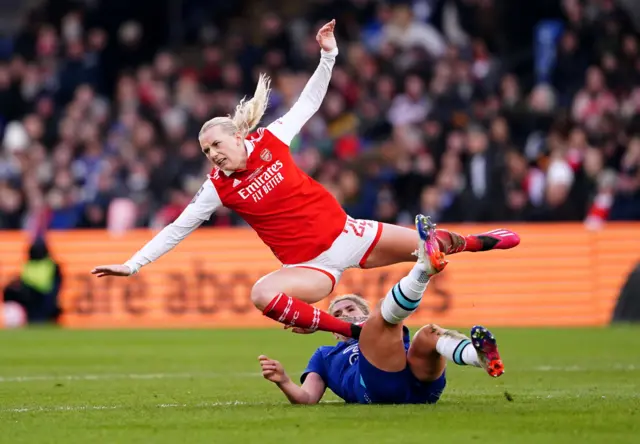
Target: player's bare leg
{"x":381,"y":339}
{"x":382,"y":343}
{"x":424,"y":360}
{"x":397,"y":244}
{"x":306,"y":284}
{"x":432,"y":346}
{"x":285,"y":295}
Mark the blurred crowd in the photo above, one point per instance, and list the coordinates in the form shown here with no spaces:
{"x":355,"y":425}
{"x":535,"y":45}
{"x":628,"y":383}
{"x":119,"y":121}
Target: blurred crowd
{"x":426,"y":112}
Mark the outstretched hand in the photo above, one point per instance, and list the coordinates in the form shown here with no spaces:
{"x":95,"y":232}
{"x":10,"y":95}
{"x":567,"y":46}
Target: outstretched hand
{"x":272,"y":370}
{"x":111,"y":270}
{"x":325,"y":37}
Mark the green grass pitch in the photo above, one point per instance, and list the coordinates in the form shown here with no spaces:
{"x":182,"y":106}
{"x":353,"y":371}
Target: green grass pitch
{"x":203,"y":386}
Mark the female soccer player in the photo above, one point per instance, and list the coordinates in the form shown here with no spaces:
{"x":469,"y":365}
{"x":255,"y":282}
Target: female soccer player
{"x":384,"y":366}
{"x":303,"y":224}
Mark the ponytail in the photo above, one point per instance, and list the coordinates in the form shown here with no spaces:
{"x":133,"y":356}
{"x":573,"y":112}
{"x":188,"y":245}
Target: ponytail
{"x":248,"y":113}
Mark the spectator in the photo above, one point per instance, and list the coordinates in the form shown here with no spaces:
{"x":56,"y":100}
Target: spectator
{"x":594,"y":100}
{"x":37,"y":288}
{"x":95,"y":126}
{"x":570,"y":67}
{"x":404,"y":31}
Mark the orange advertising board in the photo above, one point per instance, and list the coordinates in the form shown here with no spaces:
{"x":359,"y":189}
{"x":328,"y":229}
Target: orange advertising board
{"x":560,"y":275}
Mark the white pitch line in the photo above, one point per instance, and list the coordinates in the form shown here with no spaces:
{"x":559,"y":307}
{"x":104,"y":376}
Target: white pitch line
{"x":85,"y":408}
{"x":213,"y":375}
{"x":80,"y":408}
{"x":112,"y":376}
{"x":577,"y":368}
{"x":60,"y":408}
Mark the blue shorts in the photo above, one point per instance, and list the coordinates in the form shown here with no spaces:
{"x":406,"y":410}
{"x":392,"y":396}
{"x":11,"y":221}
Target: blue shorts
{"x":380,"y":387}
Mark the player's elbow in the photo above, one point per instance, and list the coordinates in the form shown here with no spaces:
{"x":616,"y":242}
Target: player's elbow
{"x":305,"y":399}
{"x":174,"y":233}
{"x":174,"y":236}
{"x":313,"y":401}
{"x":309,"y":402}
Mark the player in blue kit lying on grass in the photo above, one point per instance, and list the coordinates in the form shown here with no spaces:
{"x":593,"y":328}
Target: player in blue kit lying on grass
{"x":384,"y":366}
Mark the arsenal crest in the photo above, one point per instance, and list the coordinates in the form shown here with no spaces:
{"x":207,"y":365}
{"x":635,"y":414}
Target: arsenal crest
{"x":265,"y":155}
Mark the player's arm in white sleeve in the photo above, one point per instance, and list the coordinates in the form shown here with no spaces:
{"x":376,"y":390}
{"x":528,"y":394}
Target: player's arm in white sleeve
{"x":309,"y":102}
{"x":203,"y":205}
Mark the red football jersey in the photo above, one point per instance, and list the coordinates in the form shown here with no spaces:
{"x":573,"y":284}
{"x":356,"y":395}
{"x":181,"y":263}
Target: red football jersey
{"x":292,"y":213}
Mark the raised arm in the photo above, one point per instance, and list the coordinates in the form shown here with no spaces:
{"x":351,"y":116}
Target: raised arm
{"x":310,"y":100}
{"x":310,"y":392}
{"x":203,"y":205}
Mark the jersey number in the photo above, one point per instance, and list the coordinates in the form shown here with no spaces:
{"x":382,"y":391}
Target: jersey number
{"x":357,"y":226}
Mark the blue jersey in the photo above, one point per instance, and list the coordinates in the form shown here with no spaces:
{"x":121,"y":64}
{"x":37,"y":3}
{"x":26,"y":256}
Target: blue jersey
{"x":349,"y":375}
{"x":336,"y":366}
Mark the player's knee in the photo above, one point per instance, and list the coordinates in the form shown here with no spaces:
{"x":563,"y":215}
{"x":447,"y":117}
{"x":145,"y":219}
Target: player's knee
{"x":423,"y":358}
{"x":261,"y":295}
{"x":426,"y":338}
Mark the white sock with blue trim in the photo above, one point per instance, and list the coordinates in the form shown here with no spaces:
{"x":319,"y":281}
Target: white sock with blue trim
{"x":404,"y":298}
{"x":458,"y":350}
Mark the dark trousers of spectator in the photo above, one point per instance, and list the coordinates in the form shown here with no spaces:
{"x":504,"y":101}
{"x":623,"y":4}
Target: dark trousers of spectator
{"x":40,"y":307}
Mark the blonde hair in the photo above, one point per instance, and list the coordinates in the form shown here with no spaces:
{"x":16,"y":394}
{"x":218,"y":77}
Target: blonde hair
{"x":360,"y":302}
{"x":248,"y":113}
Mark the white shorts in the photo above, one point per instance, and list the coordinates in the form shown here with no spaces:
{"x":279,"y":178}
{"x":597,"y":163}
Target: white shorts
{"x":350,"y":250}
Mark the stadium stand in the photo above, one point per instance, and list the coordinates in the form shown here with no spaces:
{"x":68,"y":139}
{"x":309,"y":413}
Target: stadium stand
{"x":447,"y":107}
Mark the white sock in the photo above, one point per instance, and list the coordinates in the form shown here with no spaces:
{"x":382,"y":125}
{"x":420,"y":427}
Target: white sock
{"x":404,"y":298}
{"x":458,"y":350}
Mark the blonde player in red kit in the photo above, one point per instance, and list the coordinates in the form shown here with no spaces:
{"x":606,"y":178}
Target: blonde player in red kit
{"x":304,"y":225}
